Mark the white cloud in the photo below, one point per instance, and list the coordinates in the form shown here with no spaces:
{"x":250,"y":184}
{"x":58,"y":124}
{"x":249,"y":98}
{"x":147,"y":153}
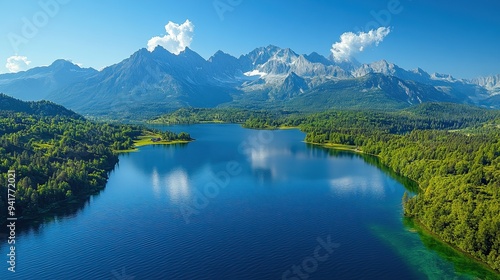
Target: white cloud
{"x":17,"y":63}
{"x":351,"y":43}
{"x":178,"y":37}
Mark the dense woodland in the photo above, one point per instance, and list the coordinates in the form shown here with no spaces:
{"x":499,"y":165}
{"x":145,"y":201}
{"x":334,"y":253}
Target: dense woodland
{"x":216,"y":115}
{"x":452,"y":151}
{"x":57,"y":155}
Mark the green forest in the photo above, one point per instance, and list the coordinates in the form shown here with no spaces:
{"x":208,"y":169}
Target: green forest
{"x":57,"y":155}
{"x":451,"y":151}
{"x":216,"y":115}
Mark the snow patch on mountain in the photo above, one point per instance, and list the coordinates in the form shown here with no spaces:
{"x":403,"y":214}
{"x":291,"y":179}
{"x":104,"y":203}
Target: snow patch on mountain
{"x":254,"y":73}
{"x":490,"y":83}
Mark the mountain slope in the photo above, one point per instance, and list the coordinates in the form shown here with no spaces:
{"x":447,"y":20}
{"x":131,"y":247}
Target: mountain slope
{"x":490,"y":83}
{"x":372,"y":91}
{"x":145,"y":83}
{"x":151,"y":83}
{"x":292,"y":86}
{"x":463,"y":90}
{"x":37,"y":83}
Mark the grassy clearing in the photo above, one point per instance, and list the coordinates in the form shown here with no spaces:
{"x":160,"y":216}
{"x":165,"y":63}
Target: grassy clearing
{"x":146,"y":140}
{"x":43,"y":145}
{"x":284,"y":127}
{"x":341,"y":147}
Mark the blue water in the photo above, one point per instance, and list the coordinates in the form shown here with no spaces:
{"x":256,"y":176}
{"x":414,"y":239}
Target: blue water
{"x":234,"y":204}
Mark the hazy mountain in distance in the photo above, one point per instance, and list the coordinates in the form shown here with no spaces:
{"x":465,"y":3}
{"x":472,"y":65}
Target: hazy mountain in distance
{"x":36,"y":83}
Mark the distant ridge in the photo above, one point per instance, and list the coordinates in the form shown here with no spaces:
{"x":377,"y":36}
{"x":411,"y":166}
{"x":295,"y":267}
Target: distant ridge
{"x":151,"y":83}
{"x":42,"y":108}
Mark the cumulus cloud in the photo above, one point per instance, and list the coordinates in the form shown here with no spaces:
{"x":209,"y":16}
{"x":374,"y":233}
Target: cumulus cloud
{"x":178,"y":37}
{"x":351,"y":43}
{"x":17,"y":63}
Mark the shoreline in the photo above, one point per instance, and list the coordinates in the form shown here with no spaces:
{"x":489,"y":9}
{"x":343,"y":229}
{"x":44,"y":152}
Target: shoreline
{"x":191,"y":123}
{"x":141,"y":141}
{"x":417,"y":223}
{"x":284,"y":127}
{"x":427,"y":231}
{"x":54,"y":208}
{"x":354,"y":149}
{"x":342,"y":147}
{"x":146,"y":140}
{"x":48,"y":213}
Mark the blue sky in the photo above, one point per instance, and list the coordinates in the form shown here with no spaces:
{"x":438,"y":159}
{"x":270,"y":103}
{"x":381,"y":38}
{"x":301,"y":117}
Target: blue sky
{"x":461,"y":38}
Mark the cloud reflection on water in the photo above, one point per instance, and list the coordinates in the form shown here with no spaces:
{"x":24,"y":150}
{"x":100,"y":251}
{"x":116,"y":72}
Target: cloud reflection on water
{"x":372,"y":185}
{"x":177,"y":185}
{"x":155,"y":180}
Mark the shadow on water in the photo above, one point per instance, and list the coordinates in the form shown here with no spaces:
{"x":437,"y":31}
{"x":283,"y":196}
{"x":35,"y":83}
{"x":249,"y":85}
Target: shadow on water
{"x":409,"y":184}
{"x":36,"y":224}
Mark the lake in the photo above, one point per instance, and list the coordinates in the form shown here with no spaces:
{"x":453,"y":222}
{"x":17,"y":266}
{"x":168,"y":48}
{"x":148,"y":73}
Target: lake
{"x":238,"y":204}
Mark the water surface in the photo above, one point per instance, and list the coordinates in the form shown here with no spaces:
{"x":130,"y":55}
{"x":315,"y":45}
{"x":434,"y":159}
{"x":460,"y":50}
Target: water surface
{"x":236,"y":204}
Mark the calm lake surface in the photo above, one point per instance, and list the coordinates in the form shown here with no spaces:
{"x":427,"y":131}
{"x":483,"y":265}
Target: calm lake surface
{"x":237,"y":204}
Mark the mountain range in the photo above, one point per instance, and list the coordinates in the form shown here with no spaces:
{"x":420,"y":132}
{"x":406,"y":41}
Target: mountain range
{"x":151,"y":83}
